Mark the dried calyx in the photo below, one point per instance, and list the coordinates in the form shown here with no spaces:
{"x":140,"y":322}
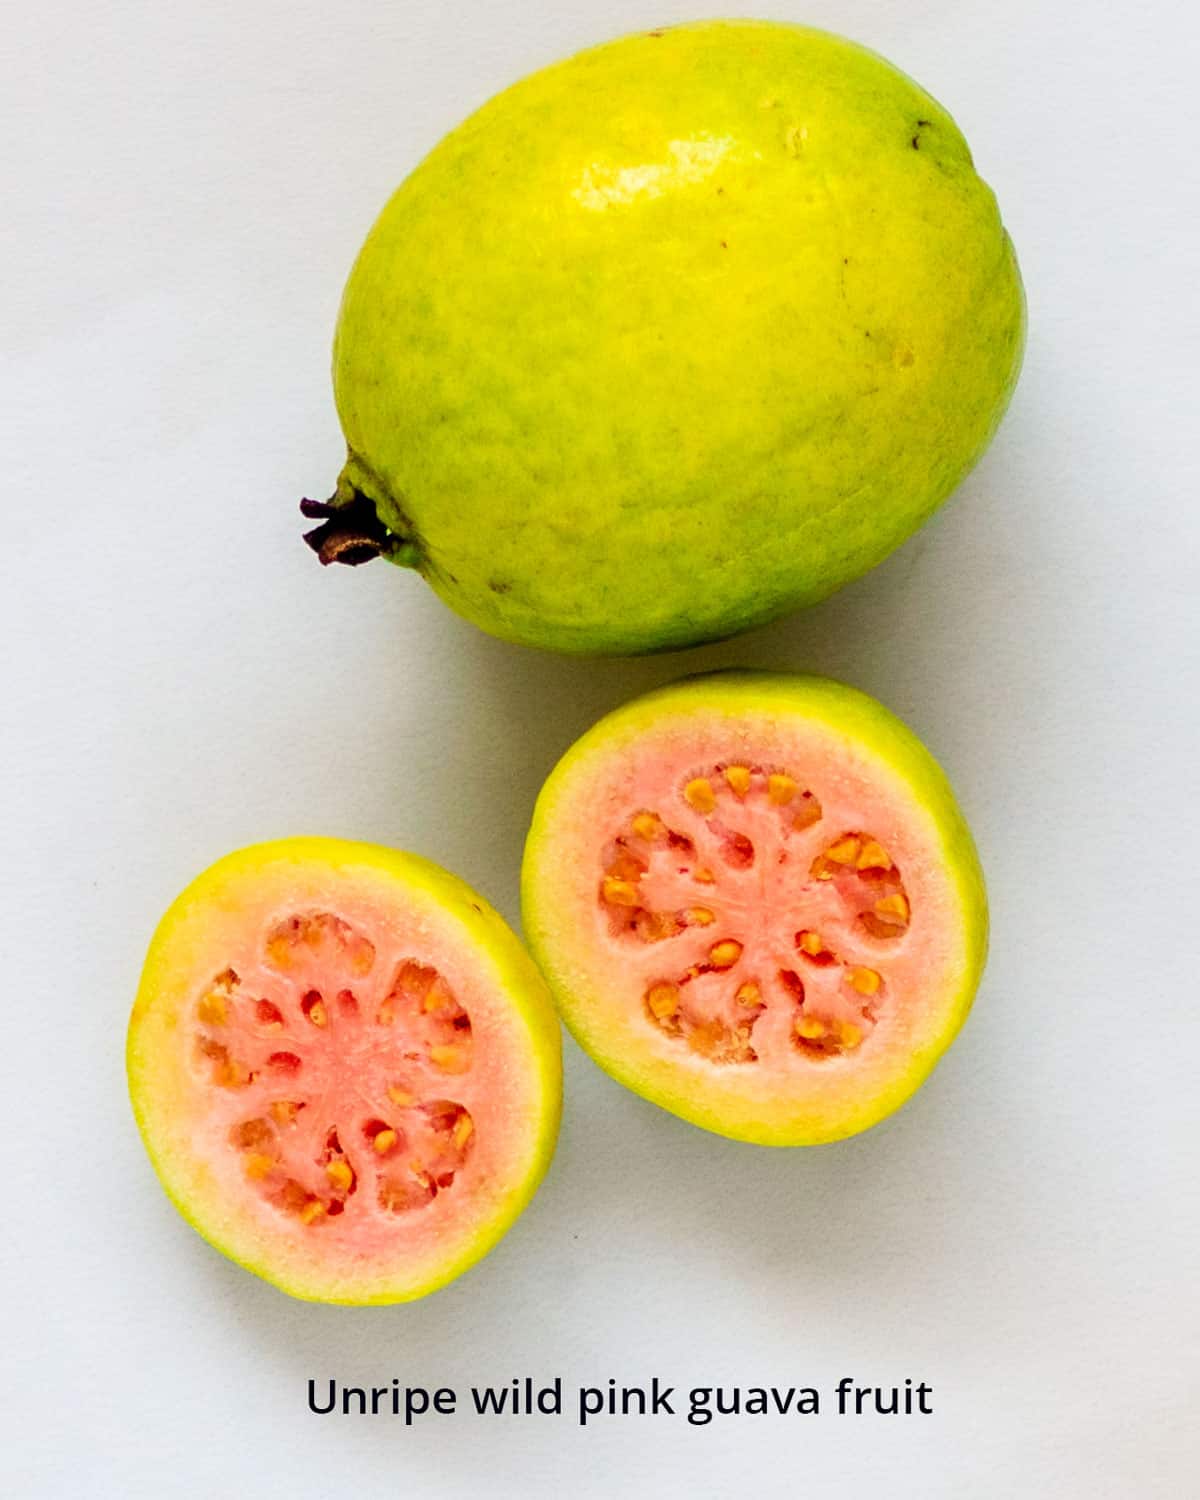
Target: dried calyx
{"x":352,"y":531}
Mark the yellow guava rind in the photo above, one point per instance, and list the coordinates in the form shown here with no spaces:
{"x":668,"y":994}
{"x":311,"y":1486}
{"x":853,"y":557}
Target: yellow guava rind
{"x":866,"y":727}
{"x":418,"y":883}
{"x":676,"y":335}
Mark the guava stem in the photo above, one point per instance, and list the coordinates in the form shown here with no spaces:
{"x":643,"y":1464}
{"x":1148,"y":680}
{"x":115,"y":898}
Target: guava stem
{"x":352,"y":532}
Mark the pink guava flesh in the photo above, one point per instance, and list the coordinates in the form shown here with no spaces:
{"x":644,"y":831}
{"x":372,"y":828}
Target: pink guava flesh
{"x":720,"y":900}
{"x":339,"y":1080}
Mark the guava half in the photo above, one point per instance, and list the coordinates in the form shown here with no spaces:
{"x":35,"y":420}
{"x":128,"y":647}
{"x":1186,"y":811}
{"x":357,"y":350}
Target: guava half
{"x":345,"y":1068}
{"x":757,"y":904}
{"x":670,"y":338}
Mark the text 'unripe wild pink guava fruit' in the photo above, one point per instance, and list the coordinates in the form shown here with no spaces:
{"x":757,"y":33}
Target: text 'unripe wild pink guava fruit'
{"x":757,"y":904}
{"x":670,"y":338}
{"x":345,"y":1068}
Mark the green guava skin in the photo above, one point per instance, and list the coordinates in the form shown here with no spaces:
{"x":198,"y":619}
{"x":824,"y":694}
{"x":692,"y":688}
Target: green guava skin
{"x":676,"y":335}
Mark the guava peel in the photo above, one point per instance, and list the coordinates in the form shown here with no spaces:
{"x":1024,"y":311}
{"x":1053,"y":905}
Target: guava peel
{"x":757,"y":904}
{"x":670,"y":338}
{"x":345,"y":1068}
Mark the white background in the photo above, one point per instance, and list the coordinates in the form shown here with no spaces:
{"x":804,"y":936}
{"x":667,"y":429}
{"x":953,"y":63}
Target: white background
{"x":186,"y":186}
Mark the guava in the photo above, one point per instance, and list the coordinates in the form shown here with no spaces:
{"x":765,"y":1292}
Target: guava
{"x":671,"y":337}
{"x":345,"y":1068}
{"x":757,"y":904}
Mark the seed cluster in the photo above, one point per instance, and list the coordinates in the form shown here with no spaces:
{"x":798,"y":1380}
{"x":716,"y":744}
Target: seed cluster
{"x":388,"y":1138}
{"x":690,"y":852}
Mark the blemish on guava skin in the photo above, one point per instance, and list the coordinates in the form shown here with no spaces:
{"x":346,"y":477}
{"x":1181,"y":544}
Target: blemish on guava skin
{"x":499,"y":585}
{"x":916,"y":140}
{"x":796,"y":138}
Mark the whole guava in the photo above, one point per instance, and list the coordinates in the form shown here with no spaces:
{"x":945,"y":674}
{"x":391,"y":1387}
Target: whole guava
{"x":671,"y":337}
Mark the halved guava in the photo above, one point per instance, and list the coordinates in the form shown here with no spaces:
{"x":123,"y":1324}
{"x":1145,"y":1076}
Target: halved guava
{"x":757,"y":904}
{"x":345,"y":1068}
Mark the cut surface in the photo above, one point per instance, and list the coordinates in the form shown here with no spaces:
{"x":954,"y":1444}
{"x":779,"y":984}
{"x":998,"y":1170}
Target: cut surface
{"x":757,"y":904}
{"x":345,"y":1068}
